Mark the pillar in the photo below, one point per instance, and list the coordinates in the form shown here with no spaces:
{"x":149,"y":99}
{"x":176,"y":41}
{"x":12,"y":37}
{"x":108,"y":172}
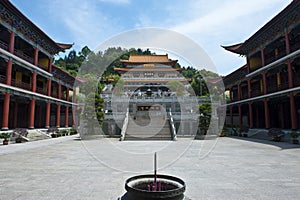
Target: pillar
{"x":287,"y":43}
{"x":290,"y":74}
{"x":67,"y":94}
{"x":267,"y":115}
{"x":262,"y":54}
{"x":11,"y":48}
{"x":74,"y":107}
{"x":264,"y":75}
{"x":58,"y":115}
{"x":50,"y":65}
{"x":59,"y":91}
{"x":250,"y":115}
{"x":36,"y":57}
{"x":249,"y":88}
{"x":31,"y":113}
{"x":48,"y":107}
{"x":33,"y":81}
{"x":49,"y":87}
{"x":5,"y":111}
{"x":67,"y":117}
{"x":293,"y":112}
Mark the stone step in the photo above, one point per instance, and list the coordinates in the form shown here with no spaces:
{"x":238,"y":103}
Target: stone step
{"x":142,"y":128}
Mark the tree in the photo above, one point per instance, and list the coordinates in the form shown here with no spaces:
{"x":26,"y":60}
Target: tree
{"x":205,"y":116}
{"x":176,"y":86}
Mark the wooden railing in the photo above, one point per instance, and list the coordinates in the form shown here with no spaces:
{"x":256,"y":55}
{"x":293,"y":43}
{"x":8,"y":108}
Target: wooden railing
{"x":3,"y":45}
{"x":24,"y":56}
{"x":2,"y":79}
{"x":41,"y":91}
{"x":20,"y":84}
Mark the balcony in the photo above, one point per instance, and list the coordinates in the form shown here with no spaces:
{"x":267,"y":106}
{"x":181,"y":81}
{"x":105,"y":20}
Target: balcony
{"x":256,"y":92}
{"x":296,"y":82}
{"x":2,"y":79}
{"x":295,"y":46}
{"x":41,"y":91}
{"x":55,"y":95}
{"x":271,"y":59}
{"x":3,"y":45}
{"x":24,"y":56}
{"x":20,"y":84}
{"x":244,"y":95}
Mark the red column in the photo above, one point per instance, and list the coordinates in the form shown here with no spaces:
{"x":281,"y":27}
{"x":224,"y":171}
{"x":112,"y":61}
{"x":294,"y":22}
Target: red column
{"x":264,"y":75}
{"x":250,"y":115}
{"x":36,"y":62}
{"x":48,"y":106}
{"x":290,"y":74}
{"x":5,"y":111}
{"x":231,"y":116}
{"x":58,"y":115}
{"x":287,"y":43}
{"x":267,"y":115}
{"x":74,"y":107}
{"x":293,"y":112}
{"x":49,"y":87}
{"x":31,"y":113}
{"x":240,"y":115}
{"x":230,"y":94}
{"x":11,"y":48}
{"x":8,"y":72}
{"x":262,"y":54}
{"x":59,"y":91}
{"x":249,"y":88}
{"x":67,"y":94}
{"x":36,"y":57}
{"x":11,"y":45}
{"x":67,"y":117}
{"x":50,"y":65}
{"x":33,"y":81}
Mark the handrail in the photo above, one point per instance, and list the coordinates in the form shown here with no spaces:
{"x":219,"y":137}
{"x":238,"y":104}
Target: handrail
{"x":125,"y":125}
{"x":173,"y":130}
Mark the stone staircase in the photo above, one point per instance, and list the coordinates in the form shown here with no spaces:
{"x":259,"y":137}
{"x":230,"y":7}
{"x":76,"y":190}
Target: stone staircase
{"x":144,"y":128}
{"x":35,"y":134}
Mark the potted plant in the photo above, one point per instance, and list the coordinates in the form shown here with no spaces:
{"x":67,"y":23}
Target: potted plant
{"x":5,"y":136}
{"x":295,"y":135}
{"x":19,"y":132}
{"x":53,"y":132}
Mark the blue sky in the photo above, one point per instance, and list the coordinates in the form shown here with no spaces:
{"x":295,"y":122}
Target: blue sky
{"x":209,"y":23}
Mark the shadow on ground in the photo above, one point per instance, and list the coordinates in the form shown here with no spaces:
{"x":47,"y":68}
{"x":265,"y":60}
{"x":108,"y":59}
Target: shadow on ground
{"x":282,"y":145}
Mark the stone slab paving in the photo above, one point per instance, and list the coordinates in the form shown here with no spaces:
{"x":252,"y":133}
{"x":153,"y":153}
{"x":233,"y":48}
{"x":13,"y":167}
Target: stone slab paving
{"x":226,"y":168}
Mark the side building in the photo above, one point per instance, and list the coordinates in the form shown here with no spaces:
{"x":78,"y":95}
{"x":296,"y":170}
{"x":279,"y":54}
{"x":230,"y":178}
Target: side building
{"x":34,"y":92}
{"x":265,"y":93}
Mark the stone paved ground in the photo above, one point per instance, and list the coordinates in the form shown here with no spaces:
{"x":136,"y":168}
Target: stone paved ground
{"x":226,"y":168}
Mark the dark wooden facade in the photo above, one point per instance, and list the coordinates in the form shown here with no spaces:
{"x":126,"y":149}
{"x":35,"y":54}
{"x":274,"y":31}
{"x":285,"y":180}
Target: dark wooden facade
{"x":265,"y":93}
{"x":34,"y":92}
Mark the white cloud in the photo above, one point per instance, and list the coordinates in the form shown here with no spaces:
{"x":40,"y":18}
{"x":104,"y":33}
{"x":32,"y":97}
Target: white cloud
{"x":84,"y":23}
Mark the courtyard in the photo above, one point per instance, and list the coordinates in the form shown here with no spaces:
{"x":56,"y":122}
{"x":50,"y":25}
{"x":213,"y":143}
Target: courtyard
{"x":222,"y":168}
